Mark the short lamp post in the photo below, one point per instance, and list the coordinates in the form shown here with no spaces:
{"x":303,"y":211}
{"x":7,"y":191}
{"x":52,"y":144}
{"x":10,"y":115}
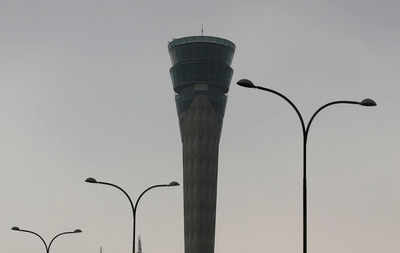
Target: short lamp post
{"x":305,"y":130}
{"x":47,"y":246}
{"x":133,"y":206}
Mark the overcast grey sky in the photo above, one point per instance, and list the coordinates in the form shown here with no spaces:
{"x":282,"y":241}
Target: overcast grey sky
{"x":85,"y":91}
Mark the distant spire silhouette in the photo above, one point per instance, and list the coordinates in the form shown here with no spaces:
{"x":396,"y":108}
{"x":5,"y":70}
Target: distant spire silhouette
{"x":139,"y":245}
{"x":202,"y":30}
{"x":101,"y":249}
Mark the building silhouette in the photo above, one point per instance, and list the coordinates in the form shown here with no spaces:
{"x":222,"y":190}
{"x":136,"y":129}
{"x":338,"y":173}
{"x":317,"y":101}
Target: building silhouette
{"x":201,"y":75}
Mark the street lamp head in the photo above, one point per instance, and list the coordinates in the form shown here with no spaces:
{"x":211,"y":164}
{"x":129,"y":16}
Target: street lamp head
{"x":173,"y":183}
{"x":77,"y":231}
{"x":246,"y":83}
{"x":368,"y":102}
{"x":15,"y":228}
{"x":91,"y":180}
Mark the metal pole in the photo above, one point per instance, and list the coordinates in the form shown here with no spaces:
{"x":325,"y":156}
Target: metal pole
{"x":133,"y":206}
{"x":41,"y":238}
{"x":305,"y":130}
{"x":305,"y":193}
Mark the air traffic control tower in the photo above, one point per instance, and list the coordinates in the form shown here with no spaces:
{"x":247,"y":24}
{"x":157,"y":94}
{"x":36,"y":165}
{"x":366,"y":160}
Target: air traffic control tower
{"x":201,"y":75}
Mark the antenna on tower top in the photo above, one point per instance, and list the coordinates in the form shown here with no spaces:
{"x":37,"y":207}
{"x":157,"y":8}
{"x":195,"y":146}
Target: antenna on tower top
{"x":202,"y":30}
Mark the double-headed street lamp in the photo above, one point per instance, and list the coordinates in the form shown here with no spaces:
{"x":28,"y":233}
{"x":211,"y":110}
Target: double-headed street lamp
{"x":305,"y":129}
{"x":133,"y":206}
{"x":47,"y":246}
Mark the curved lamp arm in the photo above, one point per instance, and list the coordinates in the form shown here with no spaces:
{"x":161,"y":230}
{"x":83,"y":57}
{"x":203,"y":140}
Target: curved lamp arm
{"x":249,"y":84}
{"x":31,"y":232}
{"x":141,"y":195}
{"x":60,"y":234}
{"x":122,"y":190}
{"x":325,"y":106}
{"x":148,"y":189}
{"x":303,"y":127}
{"x":94,"y":181}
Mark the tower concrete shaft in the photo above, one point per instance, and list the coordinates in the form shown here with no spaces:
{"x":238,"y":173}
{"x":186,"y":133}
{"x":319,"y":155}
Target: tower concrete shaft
{"x":201,"y":76}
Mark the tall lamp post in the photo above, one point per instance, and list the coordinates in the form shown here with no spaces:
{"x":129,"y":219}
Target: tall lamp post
{"x":305,"y":129}
{"x":133,"y":206}
{"x":47,"y":246}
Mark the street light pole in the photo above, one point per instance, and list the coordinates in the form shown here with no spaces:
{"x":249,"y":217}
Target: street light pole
{"x":305,"y":131}
{"x":133,"y":206}
{"x":41,"y":238}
